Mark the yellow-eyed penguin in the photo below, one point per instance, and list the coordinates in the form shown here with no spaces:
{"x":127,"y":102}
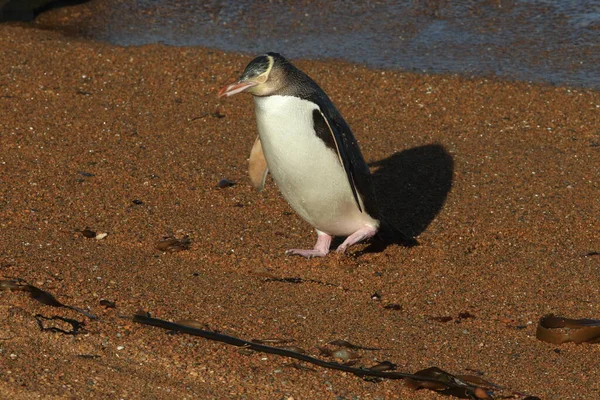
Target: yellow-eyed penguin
{"x":310,"y":151}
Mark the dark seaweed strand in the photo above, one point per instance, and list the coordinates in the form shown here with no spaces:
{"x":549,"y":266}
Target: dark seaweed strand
{"x":361,"y":372}
{"x":40,"y":295}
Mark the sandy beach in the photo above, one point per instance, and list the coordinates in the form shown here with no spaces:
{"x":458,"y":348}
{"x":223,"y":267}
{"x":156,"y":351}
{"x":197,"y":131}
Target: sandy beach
{"x":499,"y":181}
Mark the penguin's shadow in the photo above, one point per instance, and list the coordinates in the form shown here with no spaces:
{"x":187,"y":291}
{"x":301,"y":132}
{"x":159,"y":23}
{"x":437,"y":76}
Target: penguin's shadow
{"x":411,"y":187}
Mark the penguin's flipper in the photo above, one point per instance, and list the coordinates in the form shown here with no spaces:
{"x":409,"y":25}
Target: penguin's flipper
{"x":257,"y":166}
{"x":337,"y":135}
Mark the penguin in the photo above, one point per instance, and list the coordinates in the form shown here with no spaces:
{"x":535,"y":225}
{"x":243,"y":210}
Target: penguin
{"x":311,"y":153}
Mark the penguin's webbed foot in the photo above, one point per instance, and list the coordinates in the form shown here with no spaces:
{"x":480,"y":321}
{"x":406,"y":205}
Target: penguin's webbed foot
{"x":321,"y":248}
{"x":363,"y":233}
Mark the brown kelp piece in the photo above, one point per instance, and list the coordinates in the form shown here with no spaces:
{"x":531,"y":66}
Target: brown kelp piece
{"x":383,"y":366}
{"x":88,"y":233}
{"x":464,"y":387}
{"x":558,"y":330}
{"x":171,"y":244}
{"x":40,"y":295}
{"x":464,"y":315}
{"x":469,"y":386}
{"x":108,"y":303}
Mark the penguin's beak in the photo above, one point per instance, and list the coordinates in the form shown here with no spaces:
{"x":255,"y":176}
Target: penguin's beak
{"x":235,"y":88}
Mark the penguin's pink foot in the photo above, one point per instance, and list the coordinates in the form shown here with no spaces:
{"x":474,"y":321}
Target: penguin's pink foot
{"x":363,"y":233}
{"x":321,"y":248}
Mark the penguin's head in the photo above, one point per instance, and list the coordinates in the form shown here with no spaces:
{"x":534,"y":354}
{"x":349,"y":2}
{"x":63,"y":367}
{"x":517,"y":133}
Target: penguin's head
{"x":262,"y":77}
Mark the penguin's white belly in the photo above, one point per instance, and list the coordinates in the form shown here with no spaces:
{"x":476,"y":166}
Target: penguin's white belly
{"x":309,"y":175}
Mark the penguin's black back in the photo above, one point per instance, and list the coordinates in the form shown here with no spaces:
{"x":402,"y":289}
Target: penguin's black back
{"x":299,"y":84}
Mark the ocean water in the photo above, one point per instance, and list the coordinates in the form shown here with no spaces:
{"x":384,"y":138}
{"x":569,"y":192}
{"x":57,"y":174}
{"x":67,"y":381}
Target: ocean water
{"x":556,"y":42}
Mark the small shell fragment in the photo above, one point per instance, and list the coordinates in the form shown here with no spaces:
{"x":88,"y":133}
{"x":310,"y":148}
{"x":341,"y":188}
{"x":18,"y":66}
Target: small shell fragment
{"x":345,"y":355}
{"x":342,"y":354}
{"x":376,"y":296}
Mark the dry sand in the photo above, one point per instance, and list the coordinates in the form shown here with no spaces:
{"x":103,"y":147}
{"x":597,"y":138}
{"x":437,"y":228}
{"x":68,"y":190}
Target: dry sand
{"x":499,"y":181}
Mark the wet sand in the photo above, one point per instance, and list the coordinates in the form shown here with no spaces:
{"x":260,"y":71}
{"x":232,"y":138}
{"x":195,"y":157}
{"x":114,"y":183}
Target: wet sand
{"x":499,"y":181}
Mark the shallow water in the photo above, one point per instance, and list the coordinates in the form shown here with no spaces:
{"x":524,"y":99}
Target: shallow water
{"x":538,"y":40}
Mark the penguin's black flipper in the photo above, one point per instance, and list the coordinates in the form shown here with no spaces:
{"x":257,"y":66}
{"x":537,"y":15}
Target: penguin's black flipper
{"x":335,"y":132}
